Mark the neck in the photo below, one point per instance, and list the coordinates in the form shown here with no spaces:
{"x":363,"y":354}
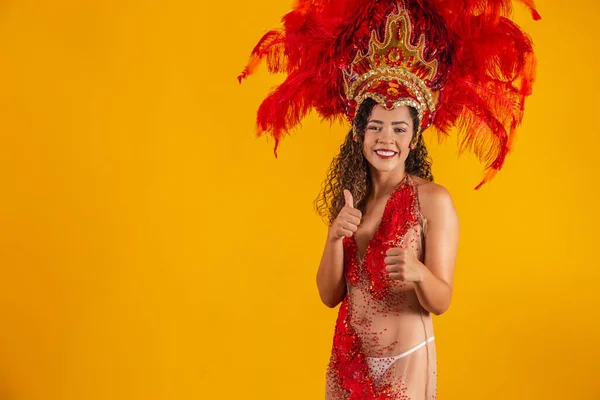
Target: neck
{"x":384,"y":183}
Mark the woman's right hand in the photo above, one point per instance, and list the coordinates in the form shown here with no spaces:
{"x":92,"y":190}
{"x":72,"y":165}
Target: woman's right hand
{"x":347,"y":221}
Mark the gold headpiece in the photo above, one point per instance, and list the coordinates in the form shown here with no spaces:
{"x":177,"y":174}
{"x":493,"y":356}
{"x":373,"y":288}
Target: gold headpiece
{"x":393,"y":72}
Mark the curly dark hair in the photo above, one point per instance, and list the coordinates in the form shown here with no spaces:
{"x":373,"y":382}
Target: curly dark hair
{"x":350,"y":170}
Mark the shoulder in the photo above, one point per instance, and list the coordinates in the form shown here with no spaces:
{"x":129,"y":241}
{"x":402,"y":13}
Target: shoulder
{"x":435,"y":200}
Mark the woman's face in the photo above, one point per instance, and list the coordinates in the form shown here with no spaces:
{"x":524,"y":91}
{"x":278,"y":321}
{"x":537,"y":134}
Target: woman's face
{"x":387,"y":138}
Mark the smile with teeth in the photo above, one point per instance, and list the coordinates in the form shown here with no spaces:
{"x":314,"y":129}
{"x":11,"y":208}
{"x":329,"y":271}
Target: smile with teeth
{"x":385,"y":153}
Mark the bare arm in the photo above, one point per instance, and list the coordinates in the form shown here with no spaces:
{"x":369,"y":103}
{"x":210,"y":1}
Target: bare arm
{"x":330,"y":276}
{"x":434,"y":289}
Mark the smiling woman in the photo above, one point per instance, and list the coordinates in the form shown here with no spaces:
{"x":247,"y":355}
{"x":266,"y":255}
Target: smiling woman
{"x":375,"y":255}
{"x":393,"y":233}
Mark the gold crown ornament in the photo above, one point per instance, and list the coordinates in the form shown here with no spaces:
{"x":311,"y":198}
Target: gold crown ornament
{"x":393,"y":72}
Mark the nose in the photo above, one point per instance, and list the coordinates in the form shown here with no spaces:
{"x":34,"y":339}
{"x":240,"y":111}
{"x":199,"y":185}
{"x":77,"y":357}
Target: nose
{"x":386,"y":135}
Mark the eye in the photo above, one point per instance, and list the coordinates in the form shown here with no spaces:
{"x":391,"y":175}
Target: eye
{"x":374,"y":128}
{"x":399,"y":130}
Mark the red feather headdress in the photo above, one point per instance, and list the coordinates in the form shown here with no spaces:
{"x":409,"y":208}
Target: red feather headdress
{"x":460,"y":63}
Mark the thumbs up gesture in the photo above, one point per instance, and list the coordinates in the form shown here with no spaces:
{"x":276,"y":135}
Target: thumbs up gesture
{"x":402,"y":265}
{"x":347,"y":221}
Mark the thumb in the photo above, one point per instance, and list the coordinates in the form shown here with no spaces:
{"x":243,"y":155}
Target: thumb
{"x":349,"y":199}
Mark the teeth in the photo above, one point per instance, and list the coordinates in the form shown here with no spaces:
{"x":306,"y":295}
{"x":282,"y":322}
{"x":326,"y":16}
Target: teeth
{"x":385,"y":153}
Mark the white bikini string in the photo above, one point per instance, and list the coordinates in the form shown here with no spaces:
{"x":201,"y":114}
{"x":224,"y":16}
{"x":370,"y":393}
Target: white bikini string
{"x":413,"y":349}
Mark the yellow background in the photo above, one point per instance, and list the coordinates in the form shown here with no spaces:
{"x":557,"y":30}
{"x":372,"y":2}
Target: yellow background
{"x":153,"y":248}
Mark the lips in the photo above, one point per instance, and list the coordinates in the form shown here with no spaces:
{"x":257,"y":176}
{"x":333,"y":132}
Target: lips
{"x":385,"y":153}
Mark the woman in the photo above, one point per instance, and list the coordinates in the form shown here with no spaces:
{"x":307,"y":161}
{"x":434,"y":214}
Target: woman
{"x":394,"y":68}
{"x":389,"y":256}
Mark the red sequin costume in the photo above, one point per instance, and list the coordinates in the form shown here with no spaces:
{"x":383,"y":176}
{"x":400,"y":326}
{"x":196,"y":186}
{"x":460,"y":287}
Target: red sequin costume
{"x":383,"y":344}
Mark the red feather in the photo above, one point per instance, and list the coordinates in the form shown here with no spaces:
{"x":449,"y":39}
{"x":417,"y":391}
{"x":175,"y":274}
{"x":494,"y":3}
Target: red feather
{"x":486,"y":66}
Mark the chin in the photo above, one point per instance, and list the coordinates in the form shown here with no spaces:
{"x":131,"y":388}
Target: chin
{"x":384,"y":166}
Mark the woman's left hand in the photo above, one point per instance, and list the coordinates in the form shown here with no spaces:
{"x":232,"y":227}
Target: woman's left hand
{"x":402,"y":265}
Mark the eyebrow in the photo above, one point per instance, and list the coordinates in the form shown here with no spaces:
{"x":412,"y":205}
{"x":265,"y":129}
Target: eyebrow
{"x":393,"y":123}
